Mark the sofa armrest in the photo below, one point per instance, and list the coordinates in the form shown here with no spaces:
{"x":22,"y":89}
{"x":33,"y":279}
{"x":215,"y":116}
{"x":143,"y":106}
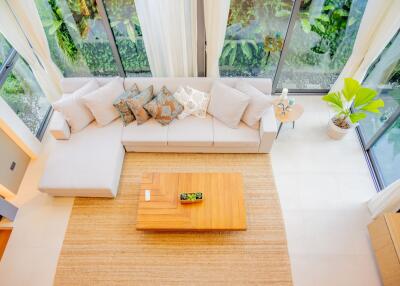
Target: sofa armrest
{"x":58,"y":127}
{"x":268,"y":130}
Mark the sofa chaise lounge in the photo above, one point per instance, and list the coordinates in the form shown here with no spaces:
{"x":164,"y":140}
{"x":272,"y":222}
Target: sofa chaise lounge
{"x":88,"y":163}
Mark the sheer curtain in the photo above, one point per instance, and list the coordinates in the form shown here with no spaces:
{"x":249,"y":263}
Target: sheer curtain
{"x":12,"y":31}
{"x":29,"y":20}
{"x":216,"y":17}
{"x":170,"y":36}
{"x":379,"y":24}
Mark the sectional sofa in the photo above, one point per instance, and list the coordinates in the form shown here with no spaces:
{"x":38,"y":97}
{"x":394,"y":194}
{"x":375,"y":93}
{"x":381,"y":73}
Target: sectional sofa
{"x":88,"y":163}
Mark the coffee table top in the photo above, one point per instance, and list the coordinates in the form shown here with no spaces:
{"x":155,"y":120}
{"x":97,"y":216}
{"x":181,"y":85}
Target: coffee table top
{"x":222,"y":207}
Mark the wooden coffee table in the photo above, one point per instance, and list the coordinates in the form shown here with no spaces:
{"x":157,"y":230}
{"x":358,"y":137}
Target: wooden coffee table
{"x":222,"y":207}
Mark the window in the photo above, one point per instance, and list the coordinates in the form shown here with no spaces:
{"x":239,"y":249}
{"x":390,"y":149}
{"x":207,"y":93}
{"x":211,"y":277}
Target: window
{"x":18,"y":87}
{"x":380,"y":133}
{"x":77,"y":38}
{"x":128,"y":36}
{"x":81,"y":40}
{"x":321,"y":43}
{"x":254,"y":37}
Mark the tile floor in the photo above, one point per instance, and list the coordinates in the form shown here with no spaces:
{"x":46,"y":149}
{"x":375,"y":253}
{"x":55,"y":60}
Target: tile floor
{"x":323,"y":186}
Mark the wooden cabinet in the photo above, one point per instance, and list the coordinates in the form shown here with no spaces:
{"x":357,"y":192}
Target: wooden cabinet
{"x":385,"y":238}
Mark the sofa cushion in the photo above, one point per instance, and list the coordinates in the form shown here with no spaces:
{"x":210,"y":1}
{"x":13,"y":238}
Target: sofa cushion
{"x":243,"y":136}
{"x":164,"y":107}
{"x":259,"y":102}
{"x":151,"y":133}
{"x":73,"y":108}
{"x":88,"y":164}
{"x":137,"y":102}
{"x":227,"y":104}
{"x":191,"y":131}
{"x":122,"y":107}
{"x":100,"y":101}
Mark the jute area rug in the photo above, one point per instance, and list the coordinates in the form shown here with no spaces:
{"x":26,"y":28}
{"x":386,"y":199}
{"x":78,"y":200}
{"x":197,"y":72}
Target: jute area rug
{"x":102,"y":246}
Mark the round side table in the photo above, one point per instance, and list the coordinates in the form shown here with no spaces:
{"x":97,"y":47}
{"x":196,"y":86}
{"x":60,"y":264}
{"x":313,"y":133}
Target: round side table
{"x":291,"y":115}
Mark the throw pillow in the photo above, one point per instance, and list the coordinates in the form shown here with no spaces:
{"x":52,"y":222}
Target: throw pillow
{"x":137,"y":102}
{"x":227,"y":104}
{"x":100,"y":101}
{"x":74,"y":111}
{"x":195,"y":102}
{"x":122,"y":107}
{"x":259,"y":102}
{"x":164,"y":107}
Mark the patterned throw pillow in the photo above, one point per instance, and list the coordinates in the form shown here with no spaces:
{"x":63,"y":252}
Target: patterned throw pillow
{"x":195,"y":102}
{"x":164,"y":107}
{"x":137,"y":102}
{"x":122,"y":107}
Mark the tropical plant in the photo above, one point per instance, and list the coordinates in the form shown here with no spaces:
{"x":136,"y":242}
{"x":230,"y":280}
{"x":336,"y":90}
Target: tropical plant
{"x":59,"y":27}
{"x":352,"y":103}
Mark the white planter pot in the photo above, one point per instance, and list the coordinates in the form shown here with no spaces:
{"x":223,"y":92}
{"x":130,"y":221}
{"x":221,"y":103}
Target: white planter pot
{"x":336,"y":132}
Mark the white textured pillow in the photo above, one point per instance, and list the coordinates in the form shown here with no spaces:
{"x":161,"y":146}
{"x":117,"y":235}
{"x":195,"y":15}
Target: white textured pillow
{"x":259,"y":102}
{"x":74,"y":111}
{"x":227,"y":104}
{"x":194,"y":102}
{"x":100,"y":101}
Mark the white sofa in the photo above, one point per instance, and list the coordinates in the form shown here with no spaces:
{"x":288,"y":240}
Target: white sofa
{"x":89,"y":163}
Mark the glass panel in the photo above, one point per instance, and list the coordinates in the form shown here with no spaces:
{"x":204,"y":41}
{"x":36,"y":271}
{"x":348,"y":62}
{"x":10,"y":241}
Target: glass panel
{"x":128,"y":36}
{"x":5,"y":49}
{"x":23,"y":94}
{"x":383,"y":76}
{"x":77,"y":38}
{"x":321,"y":43}
{"x":386,"y":152}
{"x":254,"y":37}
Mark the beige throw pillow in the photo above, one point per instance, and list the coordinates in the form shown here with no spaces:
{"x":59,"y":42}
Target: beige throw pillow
{"x":227,"y":104}
{"x":137,"y":102}
{"x":100,"y":101}
{"x":74,"y":111}
{"x":259,"y":102}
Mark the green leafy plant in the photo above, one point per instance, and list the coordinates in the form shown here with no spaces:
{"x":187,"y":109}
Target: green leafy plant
{"x":352,"y":103}
{"x":58,"y":27}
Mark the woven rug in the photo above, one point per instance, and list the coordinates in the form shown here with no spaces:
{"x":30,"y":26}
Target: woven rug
{"x":102,"y":246}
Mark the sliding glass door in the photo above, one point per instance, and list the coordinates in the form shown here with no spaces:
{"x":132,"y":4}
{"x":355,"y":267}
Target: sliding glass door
{"x":301,"y":45}
{"x":380,"y":133}
{"x":254,"y":37}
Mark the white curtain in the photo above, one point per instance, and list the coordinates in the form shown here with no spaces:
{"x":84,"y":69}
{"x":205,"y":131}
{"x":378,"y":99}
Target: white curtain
{"x":216,"y":17}
{"x":170,"y":36}
{"x":379,"y":24}
{"x":387,"y":200}
{"x":12,"y":31}
{"x":29,"y":20}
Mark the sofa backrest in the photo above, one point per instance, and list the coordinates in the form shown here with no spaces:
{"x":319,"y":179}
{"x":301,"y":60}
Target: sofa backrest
{"x":71,"y":84}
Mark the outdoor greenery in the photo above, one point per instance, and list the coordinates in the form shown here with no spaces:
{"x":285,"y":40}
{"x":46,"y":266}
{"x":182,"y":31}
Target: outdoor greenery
{"x":352,"y":103}
{"x":256,"y":30}
{"x":77,"y":39}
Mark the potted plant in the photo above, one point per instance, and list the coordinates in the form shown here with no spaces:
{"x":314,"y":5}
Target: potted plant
{"x":351,"y":105}
{"x":188,"y":198}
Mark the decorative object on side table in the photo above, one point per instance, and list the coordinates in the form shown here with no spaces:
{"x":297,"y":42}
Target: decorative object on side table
{"x":351,"y":105}
{"x":286,"y":109}
{"x":188,"y":198}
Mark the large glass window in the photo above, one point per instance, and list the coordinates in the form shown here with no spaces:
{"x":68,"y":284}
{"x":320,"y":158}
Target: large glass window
{"x":77,"y":38}
{"x":254,"y":37}
{"x":321,"y":43}
{"x":380,"y":133}
{"x":19,"y":88}
{"x":384,"y":76}
{"x":128,"y":36}
{"x":386,"y":154}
